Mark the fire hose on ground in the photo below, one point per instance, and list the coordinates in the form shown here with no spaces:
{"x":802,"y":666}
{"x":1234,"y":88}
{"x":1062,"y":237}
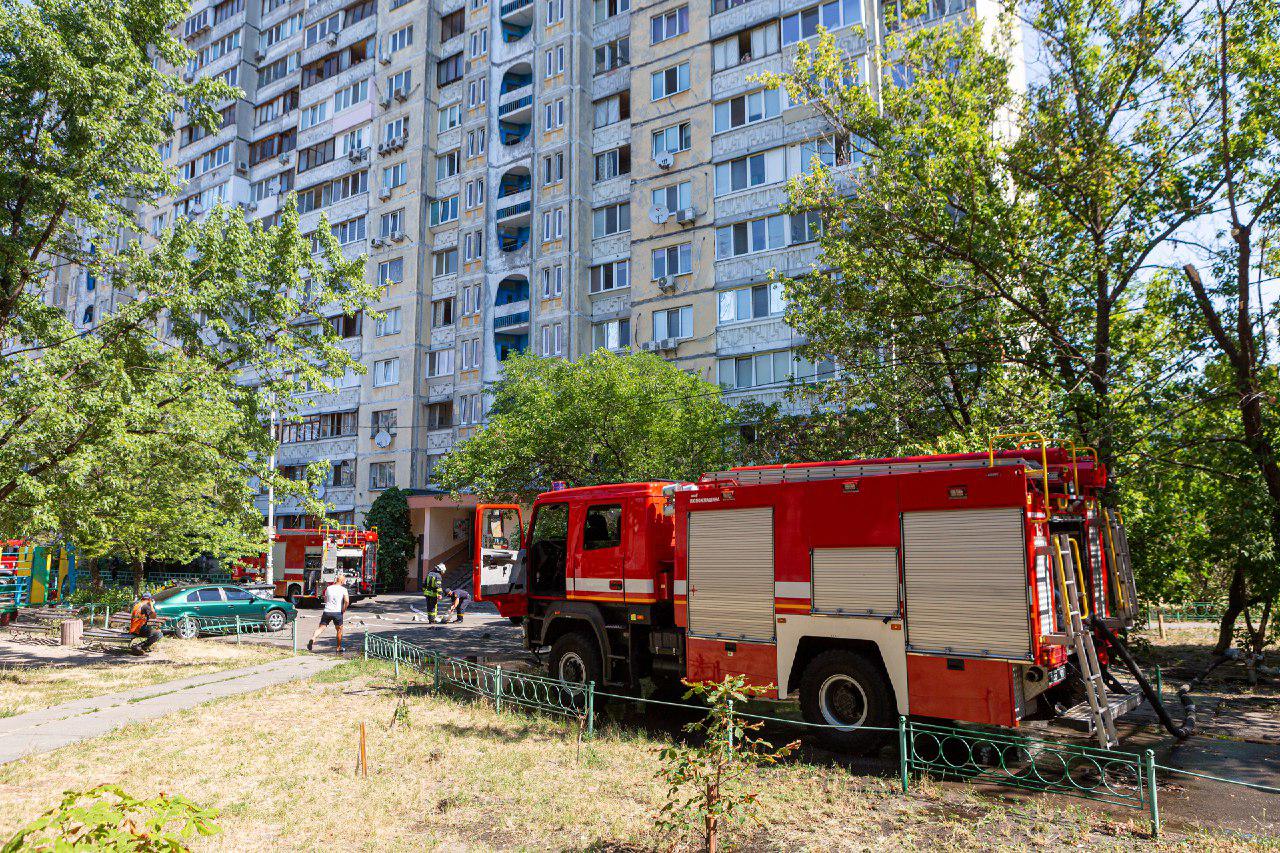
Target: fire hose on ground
{"x":1181,"y":732}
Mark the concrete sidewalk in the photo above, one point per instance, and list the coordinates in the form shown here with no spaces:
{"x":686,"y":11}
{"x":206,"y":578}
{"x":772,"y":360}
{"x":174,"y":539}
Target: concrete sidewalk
{"x":53,"y":728}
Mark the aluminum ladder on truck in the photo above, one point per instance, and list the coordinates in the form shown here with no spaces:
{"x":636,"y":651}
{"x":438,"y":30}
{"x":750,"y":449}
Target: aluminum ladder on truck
{"x":1080,"y":638}
{"x":1117,"y":544}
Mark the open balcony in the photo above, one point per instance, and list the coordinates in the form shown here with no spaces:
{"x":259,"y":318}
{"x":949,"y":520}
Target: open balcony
{"x":507,"y":344}
{"x":517,"y":12}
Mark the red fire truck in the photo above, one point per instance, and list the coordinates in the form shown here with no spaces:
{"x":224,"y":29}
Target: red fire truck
{"x":965,"y":587}
{"x":306,"y":560}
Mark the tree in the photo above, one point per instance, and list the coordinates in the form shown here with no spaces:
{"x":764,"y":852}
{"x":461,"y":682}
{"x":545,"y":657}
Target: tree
{"x":605,"y":418}
{"x":397,"y":545}
{"x":216,"y":322}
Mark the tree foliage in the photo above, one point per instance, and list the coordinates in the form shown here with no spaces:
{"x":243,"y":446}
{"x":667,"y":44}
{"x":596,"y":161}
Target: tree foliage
{"x":397,"y":545}
{"x":107,"y":817}
{"x":139,"y":431}
{"x":605,"y":418}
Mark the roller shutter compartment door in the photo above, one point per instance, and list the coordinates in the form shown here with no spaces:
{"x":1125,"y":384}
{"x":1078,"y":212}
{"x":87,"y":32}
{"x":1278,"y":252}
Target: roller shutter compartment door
{"x":965,"y":573}
{"x":731,"y":574}
{"x":855,"y":581}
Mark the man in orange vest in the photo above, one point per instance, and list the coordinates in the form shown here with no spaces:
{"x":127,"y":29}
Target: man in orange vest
{"x":142,"y":624}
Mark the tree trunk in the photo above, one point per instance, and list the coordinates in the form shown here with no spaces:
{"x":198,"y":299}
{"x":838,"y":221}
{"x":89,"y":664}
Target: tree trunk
{"x":1237,"y":601}
{"x":95,"y":572}
{"x":139,"y":573}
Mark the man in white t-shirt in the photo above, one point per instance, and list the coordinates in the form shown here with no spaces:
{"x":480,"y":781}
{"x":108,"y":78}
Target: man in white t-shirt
{"x":336,"y":601}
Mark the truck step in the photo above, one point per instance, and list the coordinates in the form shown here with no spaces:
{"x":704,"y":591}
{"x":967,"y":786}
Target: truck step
{"x":1080,"y":717}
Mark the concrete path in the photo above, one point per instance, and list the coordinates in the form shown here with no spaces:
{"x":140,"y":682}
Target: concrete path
{"x":53,"y":728}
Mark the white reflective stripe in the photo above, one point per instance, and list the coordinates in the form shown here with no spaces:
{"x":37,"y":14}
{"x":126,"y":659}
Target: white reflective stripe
{"x":593,"y":585}
{"x":638,"y":586}
{"x":681,"y":587}
{"x":791,"y":589}
{"x":568,"y":584}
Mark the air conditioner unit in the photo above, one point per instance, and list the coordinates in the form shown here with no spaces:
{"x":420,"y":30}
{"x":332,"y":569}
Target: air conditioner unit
{"x":382,"y":148}
{"x":385,"y":59}
{"x":332,"y":38}
{"x":355,"y":155}
{"x":385,"y":101}
{"x":195,"y":210}
{"x":398,"y":236}
{"x":668,"y":344}
{"x":686,"y":215}
{"x":251,"y":206}
{"x":400,"y":95}
{"x":402,"y":140}
{"x":377,"y":242}
{"x":384,"y":193}
{"x":188,"y":77}
{"x":667,"y":282}
{"x":649,"y":346}
{"x":665,"y":160}
{"x":285,"y":157}
{"x":243,"y":167}
{"x":258,"y":56}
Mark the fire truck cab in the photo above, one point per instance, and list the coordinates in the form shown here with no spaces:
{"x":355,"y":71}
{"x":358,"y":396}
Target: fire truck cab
{"x":305,"y":561}
{"x":866,"y":588}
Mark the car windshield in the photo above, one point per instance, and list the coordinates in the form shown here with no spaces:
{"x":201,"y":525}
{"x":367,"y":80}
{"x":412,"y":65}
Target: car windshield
{"x":166,"y":594}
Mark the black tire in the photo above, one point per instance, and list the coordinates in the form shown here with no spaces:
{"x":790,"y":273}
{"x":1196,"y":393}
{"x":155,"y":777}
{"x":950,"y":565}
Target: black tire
{"x":291,"y":595}
{"x":276,"y":619}
{"x":843,"y":688}
{"x":575,"y":659}
{"x":516,"y":620}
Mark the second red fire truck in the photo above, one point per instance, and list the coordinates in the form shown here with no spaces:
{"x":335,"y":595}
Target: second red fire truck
{"x":305,"y":561}
{"x":967,"y":587}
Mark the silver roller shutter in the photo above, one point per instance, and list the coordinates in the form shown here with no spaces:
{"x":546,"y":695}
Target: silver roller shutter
{"x":731,"y":574}
{"x":966,"y":583}
{"x":855,"y":581}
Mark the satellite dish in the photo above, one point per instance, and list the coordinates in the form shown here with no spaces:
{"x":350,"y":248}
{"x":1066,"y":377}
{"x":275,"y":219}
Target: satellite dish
{"x":658,"y":214}
{"x":382,"y":438}
{"x":664,"y":160}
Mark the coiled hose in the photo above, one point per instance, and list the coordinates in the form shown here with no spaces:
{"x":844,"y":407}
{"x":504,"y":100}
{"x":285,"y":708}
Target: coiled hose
{"x":1181,"y":732}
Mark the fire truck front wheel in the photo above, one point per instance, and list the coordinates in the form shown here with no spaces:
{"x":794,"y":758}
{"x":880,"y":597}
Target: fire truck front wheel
{"x":575,"y":659}
{"x":843,"y":689}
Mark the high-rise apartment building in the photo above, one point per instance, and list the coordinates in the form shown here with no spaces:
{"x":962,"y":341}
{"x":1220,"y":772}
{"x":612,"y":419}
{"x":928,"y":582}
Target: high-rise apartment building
{"x":529,"y":174}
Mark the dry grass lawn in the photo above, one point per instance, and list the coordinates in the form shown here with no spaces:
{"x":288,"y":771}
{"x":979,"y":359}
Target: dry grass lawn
{"x":32,"y":688}
{"x":453,"y":775}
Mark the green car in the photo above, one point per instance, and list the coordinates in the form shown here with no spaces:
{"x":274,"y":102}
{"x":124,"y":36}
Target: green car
{"x":212,"y":608}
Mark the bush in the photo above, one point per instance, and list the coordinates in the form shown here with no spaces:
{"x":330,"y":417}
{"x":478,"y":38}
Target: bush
{"x":115,"y":597}
{"x":108,"y":818}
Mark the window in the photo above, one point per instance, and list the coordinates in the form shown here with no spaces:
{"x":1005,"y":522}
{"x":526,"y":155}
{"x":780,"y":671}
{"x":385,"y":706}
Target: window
{"x":318,"y":427}
{"x":400,"y":84}
{"x":212,"y":594}
{"x":669,"y":81}
{"x":612,"y":219}
{"x":610,"y":276}
{"x":770,"y":368}
{"x":830,"y":151}
{"x":473,"y":193}
{"x":752,"y":303}
{"x":614,"y":54}
{"x":553,"y":168}
{"x":552,"y":224}
{"x":553,"y":114}
{"x":389,"y":324}
{"x":447,"y":164}
{"x":335,"y":63}
{"x":280,"y":31}
{"x":444,"y":262}
{"x":395,"y":176}
{"x":395,"y":132}
{"x":441,"y":313}
{"x":390,"y":272}
{"x":272,"y":146}
{"x":605,"y":9}
{"x":391,"y":224}
{"x":675,"y":197}
{"x":747,"y":109}
{"x":320,"y":30}
{"x":276,"y":107}
{"x":613,"y":109}
{"x":669,"y":24}
{"x":440,"y":363}
{"x":449,"y":70}
{"x":673,"y":260}
{"x":479,"y":43}
{"x":614,"y":334}
{"x":347,"y":325}
{"x":350,"y":231}
{"x":444,"y":210}
{"x":316,"y":155}
{"x":553,"y":339}
{"x":673,"y":323}
{"x":314,"y":114}
{"x":754,"y":170}
{"x":386,"y":372}
{"x":552,"y":281}
{"x":745,"y":46}
{"x":450,"y":117}
{"x":383,"y":420}
{"x":439,"y":415}
{"x":452,"y":24}
{"x":602,"y":527}
{"x":757,"y":235}
{"x":353,"y":140}
{"x":672,"y":139}
{"x":805,"y":227}
{"x":343,"y":473}
{"x":473,"y":245}
{"x":470,"y":354}
{"x":226,"y":9}
{"x":611,"y":164}
{"x":87,"y":317}
{"x":553,"y":61}
{"x":804,"y":24}
{"x":555,"y":11}
{"x":475,"y":143}
{"x":477,"y":92}
{"x":382,"y":475}
{"x":402,"y":37}
{"x":354,"y":94}
{"x":472,"y":409}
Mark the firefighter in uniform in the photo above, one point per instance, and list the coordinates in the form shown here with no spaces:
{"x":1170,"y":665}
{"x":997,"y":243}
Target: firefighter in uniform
{"x":142,"y":624}
{"x":433,"y":588}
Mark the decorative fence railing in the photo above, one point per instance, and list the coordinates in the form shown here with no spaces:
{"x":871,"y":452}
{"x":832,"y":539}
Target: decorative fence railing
{"x":977,"y":755}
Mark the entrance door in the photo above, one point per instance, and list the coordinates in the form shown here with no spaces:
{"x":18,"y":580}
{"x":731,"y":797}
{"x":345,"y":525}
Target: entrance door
{"x":499,"y":558}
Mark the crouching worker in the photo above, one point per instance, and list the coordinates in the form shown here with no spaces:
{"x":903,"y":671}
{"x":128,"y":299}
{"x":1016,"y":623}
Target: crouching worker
{"x":143,"y":624}
{"x":461,"y":599}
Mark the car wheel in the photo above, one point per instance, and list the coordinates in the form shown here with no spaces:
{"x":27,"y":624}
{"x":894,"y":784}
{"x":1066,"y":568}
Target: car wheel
{"x":276,"y":620}
{"x":847,"y":693}
{"x":187,"y":628}
{"x":575,"y":659}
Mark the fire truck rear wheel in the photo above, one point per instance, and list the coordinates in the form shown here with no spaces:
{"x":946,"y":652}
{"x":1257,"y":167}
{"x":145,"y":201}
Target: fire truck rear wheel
{"x":843,"y":688}
{"x":575,"y":659}
{"x":292,"y":594}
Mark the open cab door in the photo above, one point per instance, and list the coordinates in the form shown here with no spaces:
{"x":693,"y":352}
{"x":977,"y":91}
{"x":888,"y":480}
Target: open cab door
{"x":499,"y":558}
